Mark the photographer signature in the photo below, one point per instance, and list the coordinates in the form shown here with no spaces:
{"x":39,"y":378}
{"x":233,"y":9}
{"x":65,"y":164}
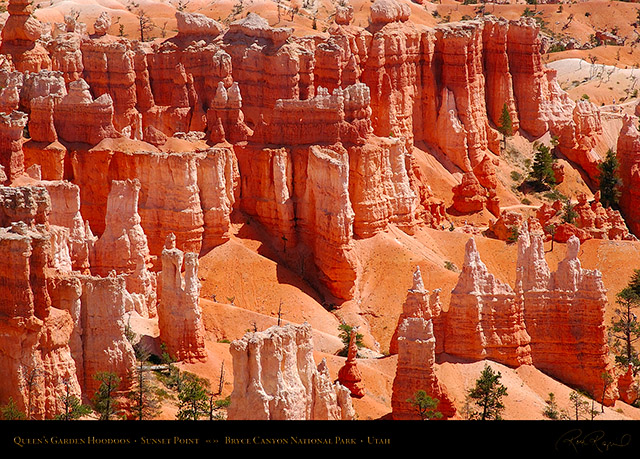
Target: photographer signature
{"x":577,"y":440}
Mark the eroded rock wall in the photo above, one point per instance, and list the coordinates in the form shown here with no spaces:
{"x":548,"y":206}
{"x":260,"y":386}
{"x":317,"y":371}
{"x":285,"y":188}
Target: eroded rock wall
{"x":628,"y":153}
{"x":60,"y":327}
{"x":179,"y":313}
{"x":199,"y":185}
{"x":37,"y":366}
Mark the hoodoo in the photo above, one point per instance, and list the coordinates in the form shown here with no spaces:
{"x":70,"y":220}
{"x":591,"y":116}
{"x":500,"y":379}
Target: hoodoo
{"x":277,"y":379}
{"x":416,"y":346}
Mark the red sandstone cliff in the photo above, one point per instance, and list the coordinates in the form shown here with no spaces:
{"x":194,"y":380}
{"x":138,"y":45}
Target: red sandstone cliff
{"x":19,"y":38}
{"x":259,"y":87}
{"x":70,"y":326}
{"x":628,"y":152}
{"x":123,"y":247}
{"x":34,"y":344}
{"x":315,"y":142}
{"x":197,"y":184}
{"x":593,"y":221}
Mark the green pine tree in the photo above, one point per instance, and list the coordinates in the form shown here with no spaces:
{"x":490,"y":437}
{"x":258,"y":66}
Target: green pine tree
{"x":425,"y":406}
{"x":104,"y":400}
{"x":506,"y":124}
{"x":73,"y":407}
{"x":487,"y":396}
{"x":579,"y":406}
{"x":11,"y":412}
{"x":144,"y":403}
{"x":634,"y":283}
{"x":542,"y":176}
{"x":551,"y":410}
{"x":625,"y":329}
{"x":609,"y":181}
{"x":217,"y":405}
{"x":514,"y":235}
{"x":193,"y":399}
{"x":569,"y":214}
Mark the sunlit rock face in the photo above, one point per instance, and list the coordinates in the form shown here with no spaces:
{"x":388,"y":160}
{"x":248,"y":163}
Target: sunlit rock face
{"x":310,"y":137}
{"x":179,"y":313}
{"x":485,"y":319}
{"x":564,"y":315}
{"x":276,"y":378}
{"x":628,"y":153}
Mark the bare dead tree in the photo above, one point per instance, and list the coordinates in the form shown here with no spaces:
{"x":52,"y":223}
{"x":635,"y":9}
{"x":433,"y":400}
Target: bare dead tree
{"x":182,"y":5}
{"x":30,"y":383}
{"x":221,"y":381}
{"x":145,"y":24}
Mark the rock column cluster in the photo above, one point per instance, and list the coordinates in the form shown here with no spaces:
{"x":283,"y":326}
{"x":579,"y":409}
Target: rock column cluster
{"x":275,"y":378}
{"x":554,"y":321}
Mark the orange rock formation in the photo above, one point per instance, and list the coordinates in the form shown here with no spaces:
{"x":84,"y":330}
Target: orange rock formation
{"x":179,"y":314}
{"x":627,"y":152}
{"x":310,"y":139}
{"x":564,"y":316}
{"x":349,"y":375}
{"x":37,"y":366}
{"x":485,"y":319}
{"x":416,"y":347}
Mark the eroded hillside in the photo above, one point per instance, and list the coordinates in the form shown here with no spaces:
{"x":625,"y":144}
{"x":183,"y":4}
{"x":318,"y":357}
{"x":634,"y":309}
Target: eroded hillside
{"x":229,"y":183}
